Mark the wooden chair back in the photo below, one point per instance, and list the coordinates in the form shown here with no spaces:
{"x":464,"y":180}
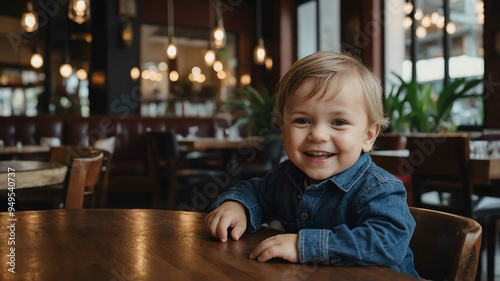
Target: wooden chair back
{"x":99,"y":195}
{"x":445,"y":246}
{"x":68,"y":155}
{"x":84,"y":173}
{"x":441,"y":163}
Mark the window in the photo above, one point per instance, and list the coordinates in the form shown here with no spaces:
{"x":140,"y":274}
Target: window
{"x":314,"y":22}
{"x":416,"y":45}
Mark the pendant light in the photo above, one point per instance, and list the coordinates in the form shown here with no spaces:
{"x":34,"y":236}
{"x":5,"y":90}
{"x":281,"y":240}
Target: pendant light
{"x":219,"y":33}
{"x":259,"y":52}
{"x":29,"y":21}
{"x":210,"y":54}
{"x":79,"y":10}
{"x":66,"y":69}
{"x":36,"y":60}
{"x":171,"y":49}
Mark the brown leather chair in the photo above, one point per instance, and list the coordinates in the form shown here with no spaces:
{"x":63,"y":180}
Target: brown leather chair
{"x":445,"y":246}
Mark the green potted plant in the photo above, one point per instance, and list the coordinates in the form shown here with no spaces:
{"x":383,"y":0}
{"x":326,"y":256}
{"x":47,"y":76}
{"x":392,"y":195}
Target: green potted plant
{"x":252,"y":109}
{"x":414,"y":108}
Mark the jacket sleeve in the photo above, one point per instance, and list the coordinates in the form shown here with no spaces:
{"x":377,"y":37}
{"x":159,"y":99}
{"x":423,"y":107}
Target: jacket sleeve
{"x":256,"y":195}
{"x":380,"y":236}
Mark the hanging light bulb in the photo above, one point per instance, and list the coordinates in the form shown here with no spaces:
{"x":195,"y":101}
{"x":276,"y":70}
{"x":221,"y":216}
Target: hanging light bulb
{"x":259,"y":52}
{"x":218,"y":66}
{"x":421,"y":32}
{"x":407,"y":22}
{"x":269,"y":63}
{"x":173,"y":76}
{"x":451,"y":28}
{"x":79,"y":10}
{"x":29,"y":21}
{"x":81,"y":74}
{"x":66,"y":70}
{"x":171,"y":50}
{"x":419,"y":14}
{"x":36,"y":60}
{"x":426,"y":21}
{"x":245,"y":79}
{"x":434,"y":18}
{"x":219,"y":35}
{"x":210,"y":57}
{"x":408,"y":7}
{"x":135,"y":73}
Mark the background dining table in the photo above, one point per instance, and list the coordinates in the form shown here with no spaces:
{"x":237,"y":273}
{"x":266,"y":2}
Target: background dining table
{"x":26,"y":174}
{"x":483,"y":168}
{"x":113,"y":244}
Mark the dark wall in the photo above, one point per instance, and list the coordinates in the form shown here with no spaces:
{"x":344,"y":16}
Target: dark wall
{"x":112,"y":90}
{"x":491,"y":64}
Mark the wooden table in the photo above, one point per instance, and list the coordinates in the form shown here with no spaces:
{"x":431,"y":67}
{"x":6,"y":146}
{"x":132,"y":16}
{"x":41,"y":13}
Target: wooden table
{"x":198,"y":144}
{"x":92,"y":244}
{"x":229,"y":148}
{"x":30,"y":173}
{"x":397,"y":162}
{"x":15,"y":151}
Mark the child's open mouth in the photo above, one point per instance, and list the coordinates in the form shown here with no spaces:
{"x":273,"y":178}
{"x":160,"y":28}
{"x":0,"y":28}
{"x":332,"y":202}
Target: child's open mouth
{"x":319,"y":155}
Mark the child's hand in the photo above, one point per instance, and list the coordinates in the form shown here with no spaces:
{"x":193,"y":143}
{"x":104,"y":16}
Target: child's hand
{"x":228,"y":214}
{"x":280,"y":246}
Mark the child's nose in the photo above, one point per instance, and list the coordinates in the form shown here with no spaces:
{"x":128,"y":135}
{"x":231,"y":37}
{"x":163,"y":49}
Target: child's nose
{"x":318,"y":133}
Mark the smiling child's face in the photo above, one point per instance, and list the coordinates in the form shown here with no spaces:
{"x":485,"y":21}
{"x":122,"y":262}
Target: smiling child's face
{"x":324,"y":136}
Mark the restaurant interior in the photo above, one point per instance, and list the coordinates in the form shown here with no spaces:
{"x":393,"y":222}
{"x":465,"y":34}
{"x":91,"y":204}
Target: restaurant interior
{"x":170,"y":101}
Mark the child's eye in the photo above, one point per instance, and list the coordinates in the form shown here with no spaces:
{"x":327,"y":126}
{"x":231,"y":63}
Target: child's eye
{"x":301,"y":121}
{"x":339,"y":122}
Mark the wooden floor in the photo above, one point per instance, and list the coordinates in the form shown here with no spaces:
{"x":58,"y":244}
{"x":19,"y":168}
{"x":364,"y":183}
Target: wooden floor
{"x":497,"y":258}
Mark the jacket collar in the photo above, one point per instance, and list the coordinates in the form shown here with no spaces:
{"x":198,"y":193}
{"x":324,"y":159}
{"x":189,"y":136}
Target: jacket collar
{"x":344,"y":180}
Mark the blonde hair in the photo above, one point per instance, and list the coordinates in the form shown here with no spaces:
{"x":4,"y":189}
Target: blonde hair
{"x":331,"y":70}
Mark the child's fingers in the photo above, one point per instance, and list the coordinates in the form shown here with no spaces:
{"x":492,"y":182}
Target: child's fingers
{"x":222,"y":227}
{"x":280,"y":246}
{"x":211,"y":222}
{"x":263,"y":246}
{"x":238,"y":230}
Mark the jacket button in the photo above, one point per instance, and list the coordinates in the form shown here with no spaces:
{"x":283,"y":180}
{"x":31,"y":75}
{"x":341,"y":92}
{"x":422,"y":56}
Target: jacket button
{"x":318,"y":260}
{"x":303,"y":216}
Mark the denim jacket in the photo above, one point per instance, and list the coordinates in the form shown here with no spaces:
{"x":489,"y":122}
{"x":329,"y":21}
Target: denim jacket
{"x":357,"y":217}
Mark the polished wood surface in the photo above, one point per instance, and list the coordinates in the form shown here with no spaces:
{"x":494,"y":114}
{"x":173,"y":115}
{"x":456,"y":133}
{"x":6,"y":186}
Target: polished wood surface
{"x":398,"y":162}
{"x":93,"y":244}
{"x":25,"y":149}
{"x":31,"y":173}
{"x":198,"y":144}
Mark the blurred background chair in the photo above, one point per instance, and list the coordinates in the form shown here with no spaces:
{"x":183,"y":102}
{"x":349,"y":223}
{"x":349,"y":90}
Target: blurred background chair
{"x":100,"y":197}
{"x":441,"y":181}
{"x":445,"y":246}
{"x":266,"y":160}
{"x":67,"y":154}
{"x":174,"y":178}
{"x":441,"y":175}
{"x":84,"y":174}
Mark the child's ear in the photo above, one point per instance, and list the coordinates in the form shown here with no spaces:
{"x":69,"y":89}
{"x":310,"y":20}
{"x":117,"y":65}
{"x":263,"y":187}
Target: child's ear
{"x":370,"y":136}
